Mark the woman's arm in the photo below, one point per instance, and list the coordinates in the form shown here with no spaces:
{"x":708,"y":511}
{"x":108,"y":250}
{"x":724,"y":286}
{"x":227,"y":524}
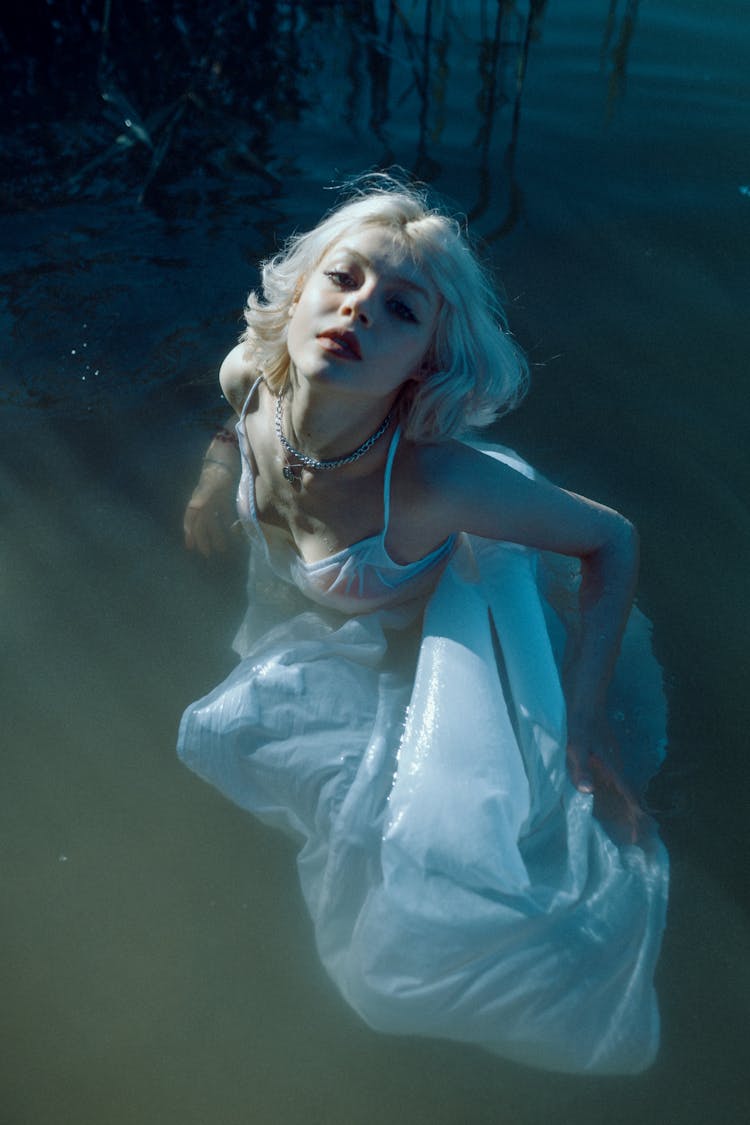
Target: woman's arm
{"x":608,"y":580}
{"x":210,"y":511}
{"x":483,"y":496}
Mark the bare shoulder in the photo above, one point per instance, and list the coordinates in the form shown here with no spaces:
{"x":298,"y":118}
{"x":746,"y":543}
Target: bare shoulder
{"x":426,"y":490}
{"x":496,"y":495}
{"x":237,"y":374}
{"x":451,"y":468}
{"x":447,"y":479}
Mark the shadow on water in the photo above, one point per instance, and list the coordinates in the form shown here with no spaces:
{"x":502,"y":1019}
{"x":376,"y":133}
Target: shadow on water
{"x":157,"y":962}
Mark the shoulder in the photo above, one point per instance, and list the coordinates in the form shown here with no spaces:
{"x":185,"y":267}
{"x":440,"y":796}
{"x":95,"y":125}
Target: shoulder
{"x":453,"y":468}
{"x":237,"y":375}
{"x":434,"y":483}
{"x":494,"y":494}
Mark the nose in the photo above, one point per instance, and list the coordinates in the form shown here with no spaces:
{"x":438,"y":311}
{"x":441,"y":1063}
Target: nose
{"x":357,"y":305}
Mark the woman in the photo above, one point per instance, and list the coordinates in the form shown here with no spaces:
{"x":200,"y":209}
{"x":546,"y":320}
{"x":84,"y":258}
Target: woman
{"x":406,"y":700}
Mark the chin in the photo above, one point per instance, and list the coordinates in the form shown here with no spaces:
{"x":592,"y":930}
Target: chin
{"x":333,"y":373}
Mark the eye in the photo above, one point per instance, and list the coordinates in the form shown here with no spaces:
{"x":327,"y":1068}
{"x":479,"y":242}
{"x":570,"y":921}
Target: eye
{"x":340,"y":278}
{"x":403,"y":311}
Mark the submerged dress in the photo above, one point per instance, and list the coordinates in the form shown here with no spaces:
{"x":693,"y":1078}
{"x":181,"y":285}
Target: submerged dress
{"x":407,"y":725}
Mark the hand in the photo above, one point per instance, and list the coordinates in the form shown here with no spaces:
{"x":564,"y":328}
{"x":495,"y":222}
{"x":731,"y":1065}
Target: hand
{"x":210,"y":515}
{"x":597,"y":771}
{"x":616,"y":805}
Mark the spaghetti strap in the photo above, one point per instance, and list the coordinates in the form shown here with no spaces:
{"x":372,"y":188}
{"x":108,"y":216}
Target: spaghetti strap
{"x":250,"y":394}
{"x":387,"y":480}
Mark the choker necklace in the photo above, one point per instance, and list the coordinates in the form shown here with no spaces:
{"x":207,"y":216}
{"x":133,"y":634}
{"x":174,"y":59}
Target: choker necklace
{"x":293,"y":470}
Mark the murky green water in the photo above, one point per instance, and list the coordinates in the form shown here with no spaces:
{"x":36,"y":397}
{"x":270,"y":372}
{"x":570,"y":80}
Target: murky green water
{"x":156,"y":960}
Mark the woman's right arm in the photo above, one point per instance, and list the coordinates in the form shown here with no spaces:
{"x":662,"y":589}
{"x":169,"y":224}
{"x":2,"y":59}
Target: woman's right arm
{"x":210,"y":513}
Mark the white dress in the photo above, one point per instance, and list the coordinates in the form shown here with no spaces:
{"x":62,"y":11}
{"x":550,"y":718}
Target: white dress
{"x":458,"y":883}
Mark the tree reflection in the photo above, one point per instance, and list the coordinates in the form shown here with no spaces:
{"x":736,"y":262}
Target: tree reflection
{"x":616,"y":46}
{"x":168,"y":95}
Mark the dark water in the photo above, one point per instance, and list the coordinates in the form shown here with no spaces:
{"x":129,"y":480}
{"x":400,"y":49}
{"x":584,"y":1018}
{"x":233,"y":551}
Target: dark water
{"x":156,"y":960}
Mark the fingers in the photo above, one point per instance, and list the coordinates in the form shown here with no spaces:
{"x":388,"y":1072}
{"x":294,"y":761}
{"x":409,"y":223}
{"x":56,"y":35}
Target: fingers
{"x":615,"y":804}
{"x":579,"y":770}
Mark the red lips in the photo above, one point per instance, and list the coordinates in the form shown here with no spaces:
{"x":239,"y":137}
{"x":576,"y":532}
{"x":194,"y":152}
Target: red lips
{"x":346,"y":342}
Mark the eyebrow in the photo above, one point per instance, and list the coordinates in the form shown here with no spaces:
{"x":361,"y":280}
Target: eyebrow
{"x":405,"y":282}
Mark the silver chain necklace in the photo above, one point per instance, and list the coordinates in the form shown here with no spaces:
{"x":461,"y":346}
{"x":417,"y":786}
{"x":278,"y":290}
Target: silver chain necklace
{"x":293,"y":472}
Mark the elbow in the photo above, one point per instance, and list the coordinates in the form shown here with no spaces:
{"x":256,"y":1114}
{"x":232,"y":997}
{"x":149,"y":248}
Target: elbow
{"x":621,"y":552}
{"x":618,"y":549}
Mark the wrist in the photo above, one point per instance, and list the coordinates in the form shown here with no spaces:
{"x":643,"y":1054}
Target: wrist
{"x":585,"y":709}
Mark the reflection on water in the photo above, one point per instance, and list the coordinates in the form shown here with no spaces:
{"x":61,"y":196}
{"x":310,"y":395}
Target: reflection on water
{"x":615,"y":46}
{"x":205,"y":110}
{"x":157,"y":963}
{"x":433,"y":86}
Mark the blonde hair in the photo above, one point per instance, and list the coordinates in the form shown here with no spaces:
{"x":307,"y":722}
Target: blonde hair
{"x":473,"y":372}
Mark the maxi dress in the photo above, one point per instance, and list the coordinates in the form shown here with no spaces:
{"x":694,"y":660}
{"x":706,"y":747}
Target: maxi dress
{"x":407,"y":725}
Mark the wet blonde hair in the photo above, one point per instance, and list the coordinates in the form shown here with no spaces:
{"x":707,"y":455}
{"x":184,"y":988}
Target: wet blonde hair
{"x":473,"y":371}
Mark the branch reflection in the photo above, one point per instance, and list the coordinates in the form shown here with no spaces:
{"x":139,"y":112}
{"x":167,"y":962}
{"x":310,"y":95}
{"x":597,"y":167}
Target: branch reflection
{"x":237,"y":90}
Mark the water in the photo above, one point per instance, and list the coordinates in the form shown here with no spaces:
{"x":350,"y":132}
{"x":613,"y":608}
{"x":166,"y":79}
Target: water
{"x":156,"y":959}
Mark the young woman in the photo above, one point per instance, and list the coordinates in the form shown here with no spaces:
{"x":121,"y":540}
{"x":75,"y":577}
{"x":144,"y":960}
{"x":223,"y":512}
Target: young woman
{"x":416,"y":698}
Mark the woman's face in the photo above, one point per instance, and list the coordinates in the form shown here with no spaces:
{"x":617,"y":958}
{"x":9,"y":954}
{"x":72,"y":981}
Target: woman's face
{"x":365,"y":317}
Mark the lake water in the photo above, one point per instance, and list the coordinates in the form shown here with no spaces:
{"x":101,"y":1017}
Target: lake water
{"x":157,"y":963}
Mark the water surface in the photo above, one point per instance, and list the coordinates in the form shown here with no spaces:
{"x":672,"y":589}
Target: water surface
{"x":157,"y":961}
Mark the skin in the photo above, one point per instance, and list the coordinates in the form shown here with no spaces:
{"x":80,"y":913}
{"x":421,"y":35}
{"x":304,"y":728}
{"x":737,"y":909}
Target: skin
{"x":339,"y":391}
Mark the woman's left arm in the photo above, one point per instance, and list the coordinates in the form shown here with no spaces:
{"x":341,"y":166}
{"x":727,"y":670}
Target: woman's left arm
{"x":486,"y":497}
{"x":608,"y":580}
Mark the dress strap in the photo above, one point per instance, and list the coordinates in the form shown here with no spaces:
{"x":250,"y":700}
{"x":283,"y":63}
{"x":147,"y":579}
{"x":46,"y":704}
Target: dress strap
{"x":250,"y":394}
{"x":387,"y":479}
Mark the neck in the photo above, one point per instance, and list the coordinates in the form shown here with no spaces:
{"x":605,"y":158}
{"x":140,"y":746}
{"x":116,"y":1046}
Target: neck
{"x":325,"y":425}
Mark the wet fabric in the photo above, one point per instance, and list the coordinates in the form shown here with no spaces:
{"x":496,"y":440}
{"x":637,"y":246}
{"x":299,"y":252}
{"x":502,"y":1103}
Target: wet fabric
{"x":459,"y":885}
